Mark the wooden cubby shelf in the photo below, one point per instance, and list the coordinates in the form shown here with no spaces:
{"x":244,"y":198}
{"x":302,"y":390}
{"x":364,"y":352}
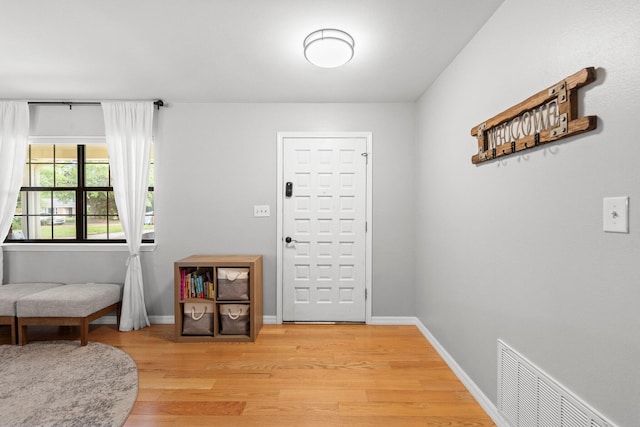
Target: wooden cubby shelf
{"x":205,"y":268}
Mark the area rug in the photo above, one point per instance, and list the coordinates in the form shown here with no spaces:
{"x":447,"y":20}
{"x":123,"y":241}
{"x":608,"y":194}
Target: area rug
{"x":64,"y":384}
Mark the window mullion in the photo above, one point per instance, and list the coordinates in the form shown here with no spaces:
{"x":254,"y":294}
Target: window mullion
{"x":81,"y":218}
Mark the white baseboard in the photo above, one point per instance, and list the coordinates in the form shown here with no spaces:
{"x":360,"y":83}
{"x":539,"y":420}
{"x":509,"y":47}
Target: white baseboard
{"x":393,"y":320}
{"x":105,"y":320}
{"x":482,"y":399}
{"x":167,"y":320}
{"x":269,"y":320}
{"x":266,"y":319}
{"x":154,"y":320}
{"x":162,"y":320}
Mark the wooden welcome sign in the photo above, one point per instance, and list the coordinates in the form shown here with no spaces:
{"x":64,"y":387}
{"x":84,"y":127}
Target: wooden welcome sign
{"x":547,"y":116}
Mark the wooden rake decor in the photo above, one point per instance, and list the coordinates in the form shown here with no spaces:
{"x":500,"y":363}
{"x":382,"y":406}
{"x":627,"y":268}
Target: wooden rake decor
{"x":545,"y":117}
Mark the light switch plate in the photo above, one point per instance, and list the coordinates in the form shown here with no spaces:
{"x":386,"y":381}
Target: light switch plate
{"x":615,"y":214}
{"x":261,"y":210}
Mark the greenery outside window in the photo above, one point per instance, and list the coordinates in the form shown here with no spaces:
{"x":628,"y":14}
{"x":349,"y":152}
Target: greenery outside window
{"x":67,"y":197}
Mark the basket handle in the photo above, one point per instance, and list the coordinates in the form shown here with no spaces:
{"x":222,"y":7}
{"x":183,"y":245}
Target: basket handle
{"x":233,"y":275}
{"x":234,"y":316}
{"x":194,"y":316}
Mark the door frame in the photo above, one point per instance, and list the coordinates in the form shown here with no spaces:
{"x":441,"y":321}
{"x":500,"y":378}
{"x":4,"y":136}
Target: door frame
{"x":368,"y":215}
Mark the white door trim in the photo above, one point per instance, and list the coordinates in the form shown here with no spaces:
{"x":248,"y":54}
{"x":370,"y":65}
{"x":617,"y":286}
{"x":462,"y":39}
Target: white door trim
{"x":279,"y":215}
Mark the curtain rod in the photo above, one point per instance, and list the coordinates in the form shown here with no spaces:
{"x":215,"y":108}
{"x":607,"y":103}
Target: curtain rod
{"x":158,"y":103}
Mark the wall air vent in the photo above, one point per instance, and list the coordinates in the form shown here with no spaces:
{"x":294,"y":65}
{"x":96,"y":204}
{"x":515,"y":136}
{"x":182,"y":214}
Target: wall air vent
{"x":527,"y":397}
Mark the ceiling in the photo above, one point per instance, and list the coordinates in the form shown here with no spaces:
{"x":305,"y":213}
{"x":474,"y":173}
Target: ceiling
{"x":227,"y":50}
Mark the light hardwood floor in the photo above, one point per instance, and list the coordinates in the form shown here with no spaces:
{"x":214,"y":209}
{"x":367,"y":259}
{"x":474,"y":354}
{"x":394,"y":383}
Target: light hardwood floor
{"x":293,"y":375}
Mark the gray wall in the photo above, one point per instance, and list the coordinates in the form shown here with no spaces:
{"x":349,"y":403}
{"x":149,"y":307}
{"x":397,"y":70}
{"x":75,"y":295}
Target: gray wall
{"x":213,"y":163}
{"x":515,"y":249}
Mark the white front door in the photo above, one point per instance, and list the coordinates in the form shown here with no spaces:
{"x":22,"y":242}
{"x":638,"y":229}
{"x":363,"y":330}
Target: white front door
{"x":324,"y":229}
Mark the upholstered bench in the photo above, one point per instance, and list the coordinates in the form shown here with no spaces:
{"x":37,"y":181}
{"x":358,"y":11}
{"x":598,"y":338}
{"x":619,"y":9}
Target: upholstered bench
{"x":68,"y":305}
{"x":10,"y":294}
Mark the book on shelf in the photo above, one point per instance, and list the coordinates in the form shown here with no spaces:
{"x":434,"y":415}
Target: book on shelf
{"x":196,"y":283}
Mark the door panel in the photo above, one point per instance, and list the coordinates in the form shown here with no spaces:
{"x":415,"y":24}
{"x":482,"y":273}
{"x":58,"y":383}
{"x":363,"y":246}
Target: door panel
{"x":325,"y":218}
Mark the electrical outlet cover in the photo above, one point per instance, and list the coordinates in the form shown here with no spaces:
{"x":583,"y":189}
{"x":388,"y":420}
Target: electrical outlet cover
{"x":615,"y":214}
{"x":261,"y":210}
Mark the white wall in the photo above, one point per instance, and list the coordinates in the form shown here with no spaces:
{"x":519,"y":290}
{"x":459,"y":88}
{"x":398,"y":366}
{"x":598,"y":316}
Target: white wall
{"x":515,"y":249}
{"x":213,"y":163}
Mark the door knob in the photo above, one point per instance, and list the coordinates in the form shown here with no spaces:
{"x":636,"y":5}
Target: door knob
{"x":289,"y":240}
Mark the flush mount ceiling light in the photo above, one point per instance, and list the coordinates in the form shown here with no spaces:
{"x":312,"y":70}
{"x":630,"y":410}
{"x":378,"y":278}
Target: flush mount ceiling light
{"x":328,"y":48}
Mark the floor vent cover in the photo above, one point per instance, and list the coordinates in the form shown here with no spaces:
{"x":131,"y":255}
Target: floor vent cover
{"x":527,"y":397}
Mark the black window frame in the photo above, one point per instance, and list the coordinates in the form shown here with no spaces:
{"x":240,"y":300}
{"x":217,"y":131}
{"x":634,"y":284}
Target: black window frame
{"x":81,"y":190}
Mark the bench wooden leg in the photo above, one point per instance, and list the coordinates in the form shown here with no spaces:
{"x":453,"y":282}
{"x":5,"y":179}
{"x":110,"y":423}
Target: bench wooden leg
{"x":118,"y":313}
{"x":14,"y":331}
{"x":22,"y":334}
{"x":84,"y":331}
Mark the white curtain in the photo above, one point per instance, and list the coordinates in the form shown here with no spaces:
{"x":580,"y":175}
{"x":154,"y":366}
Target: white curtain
{"x":14,"y":140}
{"x":128,"y":128}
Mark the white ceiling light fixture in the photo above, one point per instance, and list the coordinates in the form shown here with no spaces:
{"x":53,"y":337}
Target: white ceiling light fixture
{"x":328,"y":48}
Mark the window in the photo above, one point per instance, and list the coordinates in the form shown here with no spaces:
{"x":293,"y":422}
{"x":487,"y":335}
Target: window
{"x":66,"y":196}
